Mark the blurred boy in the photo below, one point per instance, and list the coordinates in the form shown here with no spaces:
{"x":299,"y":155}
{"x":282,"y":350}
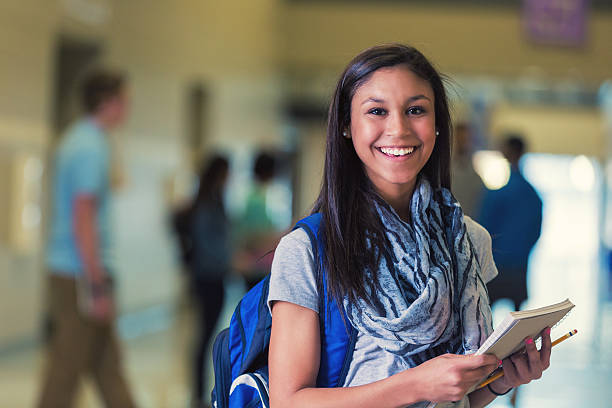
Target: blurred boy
{"x":82,"y":305}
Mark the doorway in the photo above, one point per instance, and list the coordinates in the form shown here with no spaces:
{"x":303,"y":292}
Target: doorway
{"x":73,"y":58}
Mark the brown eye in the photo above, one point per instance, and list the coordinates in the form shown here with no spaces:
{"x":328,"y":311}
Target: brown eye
{"x":415,"y":110}
{"x":377,"y":111}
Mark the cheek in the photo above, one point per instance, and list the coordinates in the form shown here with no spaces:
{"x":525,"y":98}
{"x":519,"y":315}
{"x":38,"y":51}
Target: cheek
{"x":362,"y":144}
{"x":358,"y":148}
{"x":364,"y":132}
{"x":429,"y":148}
{"x":427,"y":133}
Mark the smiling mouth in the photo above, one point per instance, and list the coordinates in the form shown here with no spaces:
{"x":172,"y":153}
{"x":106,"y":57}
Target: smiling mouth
{"x":397,"y":151}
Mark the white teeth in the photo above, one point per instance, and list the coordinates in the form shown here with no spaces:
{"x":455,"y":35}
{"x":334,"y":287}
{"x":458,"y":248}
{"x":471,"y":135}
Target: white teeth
{"x":397,"y":152}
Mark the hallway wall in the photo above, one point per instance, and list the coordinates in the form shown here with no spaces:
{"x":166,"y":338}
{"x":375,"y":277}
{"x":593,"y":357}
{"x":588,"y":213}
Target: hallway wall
{"x":459,"y":38}
{"x":164,"y":47}
{"x":244,"y":53}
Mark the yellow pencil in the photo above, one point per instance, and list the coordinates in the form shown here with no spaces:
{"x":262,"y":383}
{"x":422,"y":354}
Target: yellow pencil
{"x":500,"y":372}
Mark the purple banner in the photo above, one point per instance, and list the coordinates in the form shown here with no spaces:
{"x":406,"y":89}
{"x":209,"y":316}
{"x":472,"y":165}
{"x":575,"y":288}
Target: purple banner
{"x":560,"y":22}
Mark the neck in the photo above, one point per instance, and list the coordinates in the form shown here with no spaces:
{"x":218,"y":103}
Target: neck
{"x":399,"y":199}
{"x":101,"y":121}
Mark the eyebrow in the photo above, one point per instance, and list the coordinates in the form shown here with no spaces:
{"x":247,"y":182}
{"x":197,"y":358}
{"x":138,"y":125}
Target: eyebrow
{"x":411,"y":99}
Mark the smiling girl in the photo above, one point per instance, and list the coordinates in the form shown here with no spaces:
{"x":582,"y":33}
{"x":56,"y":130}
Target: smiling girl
{"x":399,"y":256}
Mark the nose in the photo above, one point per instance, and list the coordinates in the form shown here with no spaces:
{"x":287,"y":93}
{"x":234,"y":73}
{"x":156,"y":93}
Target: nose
{"x":398,"y":125}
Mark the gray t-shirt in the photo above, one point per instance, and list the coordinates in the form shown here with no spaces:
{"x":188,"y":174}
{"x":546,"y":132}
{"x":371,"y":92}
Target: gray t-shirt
{"x":293,"y":280}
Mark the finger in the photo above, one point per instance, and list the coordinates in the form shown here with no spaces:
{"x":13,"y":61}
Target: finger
{"x":510,"y":372}
{"x":533,"y":359}
{"x":482,"y":370}
{"x":485,"y":360}
{"x":522,"y":368}
{"x":545,"y":349}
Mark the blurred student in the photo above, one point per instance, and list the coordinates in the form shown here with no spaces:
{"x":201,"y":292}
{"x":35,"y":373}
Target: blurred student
{"x":203,"y":231}
{"x":513,"y":217}
{"x":257,"y":234}
{"x":467,"y":184}
{"x":81,"y":293}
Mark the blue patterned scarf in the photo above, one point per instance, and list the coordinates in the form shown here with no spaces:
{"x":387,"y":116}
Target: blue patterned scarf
{"x":431,"y":299}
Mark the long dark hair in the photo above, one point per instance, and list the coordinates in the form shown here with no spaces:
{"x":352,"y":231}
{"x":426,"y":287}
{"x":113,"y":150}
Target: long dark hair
{"x":347,"y":197}
{"x":209,"y":196}
{"x":212,"y":181}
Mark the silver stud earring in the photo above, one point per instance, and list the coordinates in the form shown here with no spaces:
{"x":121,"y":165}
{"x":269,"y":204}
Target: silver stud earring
{"x":437,"y":133}
{"x":345,"y":133}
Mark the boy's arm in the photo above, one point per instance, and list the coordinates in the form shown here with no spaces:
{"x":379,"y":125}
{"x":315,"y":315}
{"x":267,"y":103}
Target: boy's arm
{"x":87,"y":242}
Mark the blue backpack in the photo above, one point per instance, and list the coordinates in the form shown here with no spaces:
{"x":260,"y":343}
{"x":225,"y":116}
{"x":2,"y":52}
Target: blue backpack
{"x":240,"y":352}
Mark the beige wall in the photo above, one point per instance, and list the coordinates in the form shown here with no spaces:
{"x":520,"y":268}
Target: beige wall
{"x":312,"y":157}
{"x":164,"y":47}
{"x":25,"y":47}
{"x":458,"y":39}
{"x":25,"y":55}
{"x":321,"y":38}
{"x":239,"y":49}
{"x":553,"y":130}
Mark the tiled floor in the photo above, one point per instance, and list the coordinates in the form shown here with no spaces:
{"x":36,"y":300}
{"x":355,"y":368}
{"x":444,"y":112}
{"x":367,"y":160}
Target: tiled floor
{"x":580,"y":374}
{"x":155,"y":362}
{"x":156,"y":351}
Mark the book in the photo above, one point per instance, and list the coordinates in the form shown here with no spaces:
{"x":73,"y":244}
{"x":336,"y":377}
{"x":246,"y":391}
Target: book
{"x":508,"y":337}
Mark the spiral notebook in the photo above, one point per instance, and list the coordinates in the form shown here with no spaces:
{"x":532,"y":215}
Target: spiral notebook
{"x":509,"y":336}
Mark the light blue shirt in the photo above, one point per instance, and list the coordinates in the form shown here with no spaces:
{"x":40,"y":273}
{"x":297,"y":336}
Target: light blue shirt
{"x":81,"y":167}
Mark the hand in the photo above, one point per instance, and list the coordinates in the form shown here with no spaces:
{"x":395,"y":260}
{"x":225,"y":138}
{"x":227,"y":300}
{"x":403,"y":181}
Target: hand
{"x":102,"y":308}
{"x":449,"y":377}
{"x":522,"y":368}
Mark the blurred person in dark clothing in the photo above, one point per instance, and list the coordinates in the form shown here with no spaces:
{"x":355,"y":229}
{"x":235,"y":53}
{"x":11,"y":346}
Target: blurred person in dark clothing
{"x":468,"y":187}
{"x":203,"y":232}
{"x":513,"y":217}
{"x":81,"y":296}
{"x":256,"y":233}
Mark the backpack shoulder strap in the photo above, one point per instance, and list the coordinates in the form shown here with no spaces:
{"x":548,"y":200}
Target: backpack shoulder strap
{"x":338,"y":336}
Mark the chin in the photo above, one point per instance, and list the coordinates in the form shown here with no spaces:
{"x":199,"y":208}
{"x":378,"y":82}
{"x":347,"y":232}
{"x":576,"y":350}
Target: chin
{"x":404,"y":180}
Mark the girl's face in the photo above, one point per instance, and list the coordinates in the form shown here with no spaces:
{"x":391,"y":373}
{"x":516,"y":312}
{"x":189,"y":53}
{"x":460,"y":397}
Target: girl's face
{"x":393,"y":129}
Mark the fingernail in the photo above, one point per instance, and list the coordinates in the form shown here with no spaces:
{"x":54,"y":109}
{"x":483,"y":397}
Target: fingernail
{"x":547,"y":331}
{"x":529,"y":341}
{"x":499,"y":363}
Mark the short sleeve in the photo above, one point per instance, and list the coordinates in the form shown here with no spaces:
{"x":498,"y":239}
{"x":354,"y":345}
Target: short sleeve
{"x":481,"y":239}
{"x":292,"y":277}
{"x":89,"y":171}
